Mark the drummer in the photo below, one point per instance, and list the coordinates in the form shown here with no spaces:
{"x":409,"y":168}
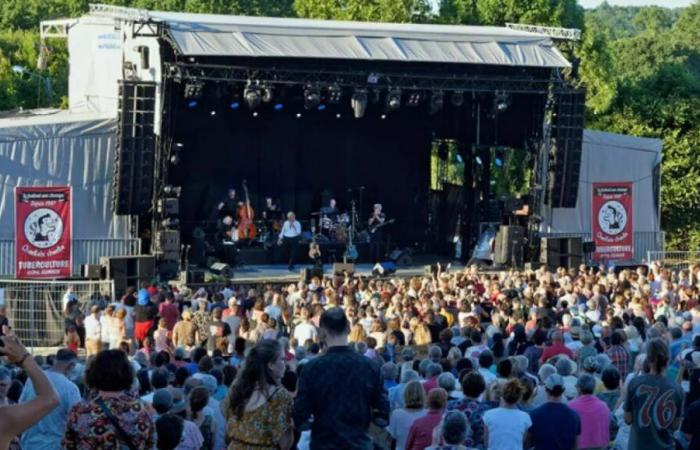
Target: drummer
{"x":330,"y":211}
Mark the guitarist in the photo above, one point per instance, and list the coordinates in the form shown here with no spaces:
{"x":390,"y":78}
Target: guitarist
{"x":376,"y":235}
{"x":289,"y":236}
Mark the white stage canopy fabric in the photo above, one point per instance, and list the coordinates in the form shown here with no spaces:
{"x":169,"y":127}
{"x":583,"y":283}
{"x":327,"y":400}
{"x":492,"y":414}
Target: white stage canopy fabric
{"x":609,"y":157}
{"x":242,"y":36}
{"x":60,"y":148}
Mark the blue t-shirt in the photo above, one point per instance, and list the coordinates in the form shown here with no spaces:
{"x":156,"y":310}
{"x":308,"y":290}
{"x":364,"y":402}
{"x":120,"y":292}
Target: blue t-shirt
{"x":554,"y":426}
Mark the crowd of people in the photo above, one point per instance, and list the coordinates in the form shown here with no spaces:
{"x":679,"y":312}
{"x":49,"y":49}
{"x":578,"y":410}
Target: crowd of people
{"x":579,"y":358}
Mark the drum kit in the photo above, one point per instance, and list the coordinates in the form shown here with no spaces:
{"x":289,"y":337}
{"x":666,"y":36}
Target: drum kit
{"x":333,"y":227}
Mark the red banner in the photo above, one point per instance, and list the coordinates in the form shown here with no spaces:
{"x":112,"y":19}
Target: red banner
{"x":43,"y":232}
{"x":612,"y":221}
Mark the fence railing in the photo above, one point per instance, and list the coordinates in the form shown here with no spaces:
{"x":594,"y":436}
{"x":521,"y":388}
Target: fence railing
{"x":35,"y":308}
{"x":644,"y":242}
{"x":85,"y":251}
{"x":674,"y":260}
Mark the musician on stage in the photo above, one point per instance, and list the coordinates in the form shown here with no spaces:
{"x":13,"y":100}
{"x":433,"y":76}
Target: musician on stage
{"x":330,"y":211}
{"x":376,"y":234}
{"x":273,"y":216}
{"x":229,"y":205}
{"x":290,"y":237}
{"x":226,"y":238}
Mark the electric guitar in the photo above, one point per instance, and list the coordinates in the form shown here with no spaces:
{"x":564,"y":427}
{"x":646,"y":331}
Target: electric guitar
{"x":374,"y":228}
{"x":350,"y":249}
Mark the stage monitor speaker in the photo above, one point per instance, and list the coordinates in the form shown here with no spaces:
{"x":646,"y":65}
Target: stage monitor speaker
{"x":384,"y":269}
{"x":566,"y":150}
{"x":134,"y":158}
{"x":510,"y":242}
{"x":91,"y":271}
{"x":129,"y":270}
{"x":223,"y":269}
{"x":307,"y":273}
{"x":341,"y":268}
{"x":192,"y":276}
{"x":561,"y":252}
{"x":401,"y":256}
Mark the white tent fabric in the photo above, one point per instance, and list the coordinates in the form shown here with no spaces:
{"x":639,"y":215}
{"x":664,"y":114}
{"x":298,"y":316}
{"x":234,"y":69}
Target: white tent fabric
{"x":58,"y":148}
{"x":613,"y":157}
{"x":219,"y":35}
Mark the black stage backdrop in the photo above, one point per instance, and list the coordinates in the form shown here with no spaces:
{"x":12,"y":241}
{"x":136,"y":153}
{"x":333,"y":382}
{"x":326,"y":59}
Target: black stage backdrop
{"x":296,"y":159}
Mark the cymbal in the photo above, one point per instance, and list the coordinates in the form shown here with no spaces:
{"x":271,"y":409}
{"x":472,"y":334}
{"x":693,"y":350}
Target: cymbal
{"x":316,"y":213}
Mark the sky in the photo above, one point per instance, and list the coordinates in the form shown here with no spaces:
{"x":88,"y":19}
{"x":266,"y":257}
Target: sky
{"x":665,"y":3}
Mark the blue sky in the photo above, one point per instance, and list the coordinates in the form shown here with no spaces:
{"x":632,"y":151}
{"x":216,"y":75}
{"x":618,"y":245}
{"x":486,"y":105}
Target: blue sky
{"x":665,"y":3}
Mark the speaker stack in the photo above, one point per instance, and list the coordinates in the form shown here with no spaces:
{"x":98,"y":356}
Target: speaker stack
{"x":561,"y":252}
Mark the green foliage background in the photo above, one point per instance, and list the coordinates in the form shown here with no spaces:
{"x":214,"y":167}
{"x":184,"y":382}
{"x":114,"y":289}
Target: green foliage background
{"x":641,"y":66}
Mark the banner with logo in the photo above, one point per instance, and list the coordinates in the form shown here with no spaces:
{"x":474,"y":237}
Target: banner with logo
{"x":43,"y":232}
{"x":612,"y":221}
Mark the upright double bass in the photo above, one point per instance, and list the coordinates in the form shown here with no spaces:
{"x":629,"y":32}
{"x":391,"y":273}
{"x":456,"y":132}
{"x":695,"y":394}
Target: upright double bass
{"x":246,"y":226}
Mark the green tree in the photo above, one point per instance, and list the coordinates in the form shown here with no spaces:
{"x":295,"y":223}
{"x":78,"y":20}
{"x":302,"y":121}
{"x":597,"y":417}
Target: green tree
{"x":363,"y":10}
{"x":561,"y":13}
{"x":596,"y":68}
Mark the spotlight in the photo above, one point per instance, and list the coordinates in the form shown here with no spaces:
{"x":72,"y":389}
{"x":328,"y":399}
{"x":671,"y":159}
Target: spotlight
{"x":383,"y":116}
{"x":194,"y":89}
{"x":338,"y":116}
{"x":499,"y":158}
{"x":192,"y":104}
{"x":212,"y":113}
{"x":255,"y":114}
{"x":335,"y":94}
{"x":478,"y":160}
{"x":234,"y":105}
{"x":298,"y":115}
{"x":501,"y":101}
{"x":267,"y":94}
{"x":321,"y":107}
{"x":175,"y":159}
{"x":393,"y":99}
{"x":437,"y":101}
{"x":279,"y":106}
{"x":252,"y":95}
{"x":172,"y":191}
{"x":415,"y":98}
{"x":170,"y":222}
{"x":359,"y":102}
{"x":312,"y":97}
{"x":458,"y":158}
{"x":457,"y":99}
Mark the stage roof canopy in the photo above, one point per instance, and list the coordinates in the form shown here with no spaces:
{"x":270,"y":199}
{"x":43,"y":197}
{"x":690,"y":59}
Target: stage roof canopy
{"x":242,"y":36}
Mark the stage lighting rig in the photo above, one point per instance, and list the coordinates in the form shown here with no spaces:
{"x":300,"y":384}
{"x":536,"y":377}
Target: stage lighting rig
{"x":393,"y":99}
{"x":252,"y":95}
{"x":457,"y":98}
{"x":312,"y":97}
{"x":437,"y":101}
{"x":359,"y":102}
{"x":172,"y":191}
{"x":170,"y":222}
{"x":501,"y":102}
{"x":194,"y":89}
{"x":335,"y":94}
{"x":415,"y":98}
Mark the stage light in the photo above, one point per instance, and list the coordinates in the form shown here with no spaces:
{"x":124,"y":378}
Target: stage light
{"x":498,"y":161}
{"x":393,"y":99}
{"x":212,"y":113}
{"x":175,"y":159}
{"x":501,"y":101}
{"x":268,"y":94}
{"x":415,"y":98}
{"x":312,"y":97}
{"x":255,"y":114}
{"x":437,"y":101}
{"x":458,"y":157}
{"x":335,"y":94}
{"x":298,"y":115}
{"x":359,"y":102}
{"x":172,"y":191}
{"x":383,"y":116}
{"x":478,"y":160}
{"x":338,"y":116}
{"x":170,"y":222}
{"x":252,"y":95}
{"x":457,"y":99}
{"x":194,"y":89}
{"x":321,"y":107}
{"x":279,"y":106}
{"x":234,"y":105}
{"x":192,"y":104}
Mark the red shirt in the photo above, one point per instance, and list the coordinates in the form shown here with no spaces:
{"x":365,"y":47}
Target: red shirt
{"x":420,"y":435}
{"x":430,"y":383}
{"x":554,"y":350}
{"x":170,"y":313}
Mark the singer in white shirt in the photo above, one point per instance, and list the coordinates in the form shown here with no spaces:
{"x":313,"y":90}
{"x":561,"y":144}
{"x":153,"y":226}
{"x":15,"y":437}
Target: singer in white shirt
{"x":289,"y":237}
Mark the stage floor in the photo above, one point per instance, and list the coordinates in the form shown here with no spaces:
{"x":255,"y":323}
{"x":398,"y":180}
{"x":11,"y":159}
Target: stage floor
{"x":279,"y":273}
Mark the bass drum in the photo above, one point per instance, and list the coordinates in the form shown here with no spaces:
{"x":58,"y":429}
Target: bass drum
{"x":341,"y":232}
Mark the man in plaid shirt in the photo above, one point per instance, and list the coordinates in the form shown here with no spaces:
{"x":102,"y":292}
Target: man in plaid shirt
{"x":619,"y":356}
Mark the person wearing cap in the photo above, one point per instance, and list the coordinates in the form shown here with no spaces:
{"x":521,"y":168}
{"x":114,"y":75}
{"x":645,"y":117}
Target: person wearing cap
{"x":48,"y":432}
{"x":555,"y":426}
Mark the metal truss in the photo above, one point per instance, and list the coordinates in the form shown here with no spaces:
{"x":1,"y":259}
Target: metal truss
{"x":439,"y":80}
{"x":56,"y":28}
{"x":119,"y":12}
{"x":557,"y":33}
